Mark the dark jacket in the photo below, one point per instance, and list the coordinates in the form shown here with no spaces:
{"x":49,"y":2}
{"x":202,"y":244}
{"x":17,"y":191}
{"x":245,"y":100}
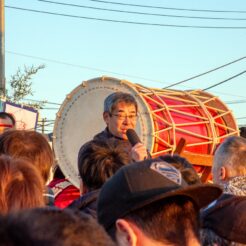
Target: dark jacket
{"x":104,"y":135}
{"x":87,"y":203}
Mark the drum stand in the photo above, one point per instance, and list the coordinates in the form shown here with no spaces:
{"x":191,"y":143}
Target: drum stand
{"x":203,"y":160}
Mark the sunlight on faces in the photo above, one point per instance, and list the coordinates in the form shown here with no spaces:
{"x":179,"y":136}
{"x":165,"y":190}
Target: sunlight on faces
{"x":121,"y":119}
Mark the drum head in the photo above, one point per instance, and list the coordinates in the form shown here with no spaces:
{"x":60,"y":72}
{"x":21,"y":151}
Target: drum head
{"x":80,"y":118}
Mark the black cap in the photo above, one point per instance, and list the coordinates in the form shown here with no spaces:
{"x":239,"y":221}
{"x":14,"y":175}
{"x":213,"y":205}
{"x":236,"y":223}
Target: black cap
{"x":137,"y":185}
{"x":227,"y":218}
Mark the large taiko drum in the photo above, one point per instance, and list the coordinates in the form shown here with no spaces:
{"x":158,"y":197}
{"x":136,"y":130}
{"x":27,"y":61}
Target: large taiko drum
{"x":165,"y":116}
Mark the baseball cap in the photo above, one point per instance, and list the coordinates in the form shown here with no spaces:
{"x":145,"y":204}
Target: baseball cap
{"x":142,"y":183}
{"x":227,"y":218}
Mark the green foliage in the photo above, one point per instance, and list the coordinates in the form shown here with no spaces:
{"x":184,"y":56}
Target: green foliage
{"x":21,"y":85}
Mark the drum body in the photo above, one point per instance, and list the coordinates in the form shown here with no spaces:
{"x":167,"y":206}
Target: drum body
{"x":165,"y":116}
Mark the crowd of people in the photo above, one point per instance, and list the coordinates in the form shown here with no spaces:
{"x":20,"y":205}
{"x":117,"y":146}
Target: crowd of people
{"x":125,"y":198}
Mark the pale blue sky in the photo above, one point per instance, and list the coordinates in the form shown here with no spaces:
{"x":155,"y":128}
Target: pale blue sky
{"x":162,"y":55}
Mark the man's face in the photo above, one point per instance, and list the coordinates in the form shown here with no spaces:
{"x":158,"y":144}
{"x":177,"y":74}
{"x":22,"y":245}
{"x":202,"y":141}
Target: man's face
{"x":5,"y":124}
{"x":121,"y":119}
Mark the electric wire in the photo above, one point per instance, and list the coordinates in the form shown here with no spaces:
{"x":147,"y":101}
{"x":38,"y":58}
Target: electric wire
{"x":235,"y":102}
{"x":222,"y":82}
{"x":127,"y":22}
{"x":169,"y":8}
{"x":121,"y":74}
{"x":50,"y":108}
{"x":41,"y":101}
{"x":199,"y":75}
{"x":46,"y":120}
{"x":84,"y":67}
{"x":143,"y":13}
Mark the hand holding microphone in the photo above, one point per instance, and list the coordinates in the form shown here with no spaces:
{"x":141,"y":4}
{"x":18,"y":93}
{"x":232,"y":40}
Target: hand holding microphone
{"x":138,"y":151}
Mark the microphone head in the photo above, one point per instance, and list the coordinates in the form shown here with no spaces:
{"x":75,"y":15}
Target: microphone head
{"x":132,"y":137}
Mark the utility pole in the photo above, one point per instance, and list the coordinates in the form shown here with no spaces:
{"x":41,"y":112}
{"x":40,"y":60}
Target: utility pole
{"x":2,"y":50}
{"x":43,"y":125}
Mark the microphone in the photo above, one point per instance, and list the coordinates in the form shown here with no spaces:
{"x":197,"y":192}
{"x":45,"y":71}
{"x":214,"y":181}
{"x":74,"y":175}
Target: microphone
{"x":132,"y":137}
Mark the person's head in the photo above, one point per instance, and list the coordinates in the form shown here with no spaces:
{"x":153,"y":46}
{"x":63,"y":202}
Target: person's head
{"x":7,"y":122}
{"x":120,"y":113}
{"x":98,"y":160}
{"x":210,"y":238}
{"x":53,"y":227}
{"x":243,"y":131}
{"x":31,"y":145}
{"x":189,"y":174}
{"x":148,"y":202}
{"x":21,"y":185}
{"x":229,"y":159}
{"x":224,"y":222}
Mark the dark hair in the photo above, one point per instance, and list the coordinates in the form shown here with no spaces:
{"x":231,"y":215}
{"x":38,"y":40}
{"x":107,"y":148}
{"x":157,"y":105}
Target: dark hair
{"x":210,"y":238}
{"x":98,"y":160}
{"x":243,"y":131}
{"x":5,"y":115}
{"x":169,"y":220}
{"x":58,"y":174}
{"x":53,"y":227}
{"x":21,"y":185}
{"x":30,"y":145}
{"x":188,"y":173}
{"x":113,"y":99}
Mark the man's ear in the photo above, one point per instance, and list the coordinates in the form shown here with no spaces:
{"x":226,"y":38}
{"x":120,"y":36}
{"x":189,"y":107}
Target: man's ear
{"x":125,"y":234}
{"x":223,"y":173}
{"x":106,"y":117}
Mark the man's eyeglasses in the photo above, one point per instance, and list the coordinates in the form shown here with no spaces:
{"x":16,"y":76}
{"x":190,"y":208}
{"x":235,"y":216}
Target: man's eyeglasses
{"x":124,"y":116}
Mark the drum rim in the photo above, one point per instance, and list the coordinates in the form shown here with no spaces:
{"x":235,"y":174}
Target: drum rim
{"x":60,"y":157}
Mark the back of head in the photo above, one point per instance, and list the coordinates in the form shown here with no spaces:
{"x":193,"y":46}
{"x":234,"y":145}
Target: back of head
{"x":5,"y":115}
{"x":140,"y":192}
{"x":173,"y":221}
{"x":189,"y":174}
{"x":7,"y":122}
{"x":243,"y":131}
{"x":53,"y":227}
{"x":98,"y":160}
{"x":21,"y":185}
{"x":231,"y":154}
{"x":30,"y":145}
{"x":113,"y":99}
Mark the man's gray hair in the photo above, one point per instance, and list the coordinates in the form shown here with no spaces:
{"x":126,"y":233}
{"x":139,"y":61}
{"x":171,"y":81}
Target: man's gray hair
{"x":231,"y":154}
{"x":113,"y":99}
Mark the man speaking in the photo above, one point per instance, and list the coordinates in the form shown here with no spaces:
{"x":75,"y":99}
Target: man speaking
{"x":120,"y":114}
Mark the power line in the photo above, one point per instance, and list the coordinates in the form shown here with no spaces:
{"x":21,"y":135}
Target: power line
{"x":241,"y":118}
{"x":101,"y":70}
{"x":199,"y":75}
{"x":49,"y":108}
{"x":143,"y":13}
{"x":236,"y":102}
{"x":41,"y":101}
{"x":169,"y":8}
{"x":225,"y":80}
{"x":228,"y":94}
{"x":127,"y":22}
{"x":42,"y":125}
{"x":45,"y":120}
{"x":84,"y":67}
